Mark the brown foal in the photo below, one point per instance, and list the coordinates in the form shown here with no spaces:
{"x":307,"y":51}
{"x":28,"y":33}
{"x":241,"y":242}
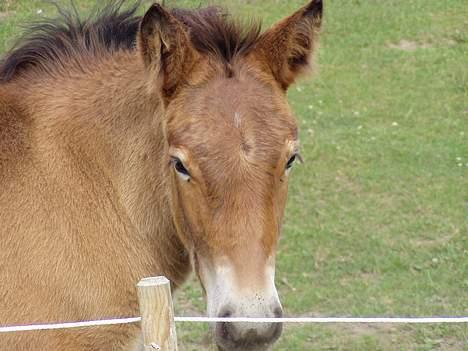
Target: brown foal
{"x":140,"y":146}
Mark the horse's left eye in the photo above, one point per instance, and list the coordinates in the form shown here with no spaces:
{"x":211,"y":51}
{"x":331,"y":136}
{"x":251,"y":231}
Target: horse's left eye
{"x":291,"y":161}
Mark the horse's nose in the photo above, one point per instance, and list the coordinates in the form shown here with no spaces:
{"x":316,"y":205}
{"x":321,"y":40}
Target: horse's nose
{"x":248,"y":336}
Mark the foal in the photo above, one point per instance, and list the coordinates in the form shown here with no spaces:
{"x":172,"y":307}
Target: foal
{"x":134,"y":147}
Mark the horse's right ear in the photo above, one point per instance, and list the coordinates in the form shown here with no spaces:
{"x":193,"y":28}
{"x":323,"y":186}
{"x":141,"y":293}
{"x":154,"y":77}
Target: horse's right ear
{"x":165,"y":48}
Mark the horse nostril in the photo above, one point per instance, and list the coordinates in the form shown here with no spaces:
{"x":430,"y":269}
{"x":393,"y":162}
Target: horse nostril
{"x":225,"y":328}
{"x":250,"y":336}
{"x":225,"y":313}
{"x":278,"y":312}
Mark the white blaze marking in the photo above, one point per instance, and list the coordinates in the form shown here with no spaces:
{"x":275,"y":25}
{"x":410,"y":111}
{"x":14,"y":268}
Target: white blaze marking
{"x":223,"y":291}
{"x":237,"y":119}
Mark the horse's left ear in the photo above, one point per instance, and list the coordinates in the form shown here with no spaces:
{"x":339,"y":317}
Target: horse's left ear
{"x":287,"y":48}
{"x":165,"y":48}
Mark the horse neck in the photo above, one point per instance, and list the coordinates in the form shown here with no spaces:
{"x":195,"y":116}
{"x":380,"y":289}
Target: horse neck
{"x":110,"y":118}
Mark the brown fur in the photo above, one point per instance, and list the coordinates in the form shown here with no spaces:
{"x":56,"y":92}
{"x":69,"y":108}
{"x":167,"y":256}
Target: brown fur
{"x":89,"y":200}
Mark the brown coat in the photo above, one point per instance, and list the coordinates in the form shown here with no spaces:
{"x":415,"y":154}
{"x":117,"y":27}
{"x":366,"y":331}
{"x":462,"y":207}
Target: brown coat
{"x":93,"y":132}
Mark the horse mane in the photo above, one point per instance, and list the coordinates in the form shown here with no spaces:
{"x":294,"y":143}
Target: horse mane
{"x":49,"y":44}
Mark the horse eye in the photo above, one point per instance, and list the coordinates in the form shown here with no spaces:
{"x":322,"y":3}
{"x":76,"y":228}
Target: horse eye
{"x":180,"y":168}
{"x":291,"y":161}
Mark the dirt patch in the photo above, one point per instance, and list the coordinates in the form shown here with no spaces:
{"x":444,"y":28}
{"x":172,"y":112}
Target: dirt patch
{"x":360,"y":330}
{"x":411,"y":45}
{"x":408,"y":45}
{"x":430,"y":243}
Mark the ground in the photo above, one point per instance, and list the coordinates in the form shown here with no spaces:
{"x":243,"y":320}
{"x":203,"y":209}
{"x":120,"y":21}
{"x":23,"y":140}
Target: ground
{"x":376,"y":223}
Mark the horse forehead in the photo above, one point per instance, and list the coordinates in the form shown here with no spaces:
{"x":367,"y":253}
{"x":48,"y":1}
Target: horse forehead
{"x":239,"y":110}
{"x":235,"y":121}
{"x":236,"y":97}
{"x":238,"y":139}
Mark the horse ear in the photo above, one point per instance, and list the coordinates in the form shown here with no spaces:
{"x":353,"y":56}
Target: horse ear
{"x":166,"y":48}
{"x":288,"y":46}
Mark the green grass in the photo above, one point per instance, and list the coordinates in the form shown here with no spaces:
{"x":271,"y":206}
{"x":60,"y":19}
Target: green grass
{"x":377,"y":217}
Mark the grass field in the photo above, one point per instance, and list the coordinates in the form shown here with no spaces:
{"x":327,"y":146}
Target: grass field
{"x":377,"y":217}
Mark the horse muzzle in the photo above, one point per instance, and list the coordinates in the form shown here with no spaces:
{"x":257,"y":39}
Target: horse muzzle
{"x":243,"y":336}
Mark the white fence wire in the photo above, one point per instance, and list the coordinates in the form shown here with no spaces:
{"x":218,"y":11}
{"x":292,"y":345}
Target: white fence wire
{"x":301,"y":320}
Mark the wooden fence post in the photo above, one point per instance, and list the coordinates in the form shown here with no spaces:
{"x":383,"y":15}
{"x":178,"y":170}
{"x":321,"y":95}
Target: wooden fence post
{"x":157,"y":314}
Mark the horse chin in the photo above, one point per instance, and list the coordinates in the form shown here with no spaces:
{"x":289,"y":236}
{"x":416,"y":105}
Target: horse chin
{"x":242,"y":348}
{"x":223,"y":346}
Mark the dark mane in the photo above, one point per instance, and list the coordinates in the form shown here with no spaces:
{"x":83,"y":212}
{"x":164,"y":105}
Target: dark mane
{"x":48,"y":44}
{"x":214,"y":31}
